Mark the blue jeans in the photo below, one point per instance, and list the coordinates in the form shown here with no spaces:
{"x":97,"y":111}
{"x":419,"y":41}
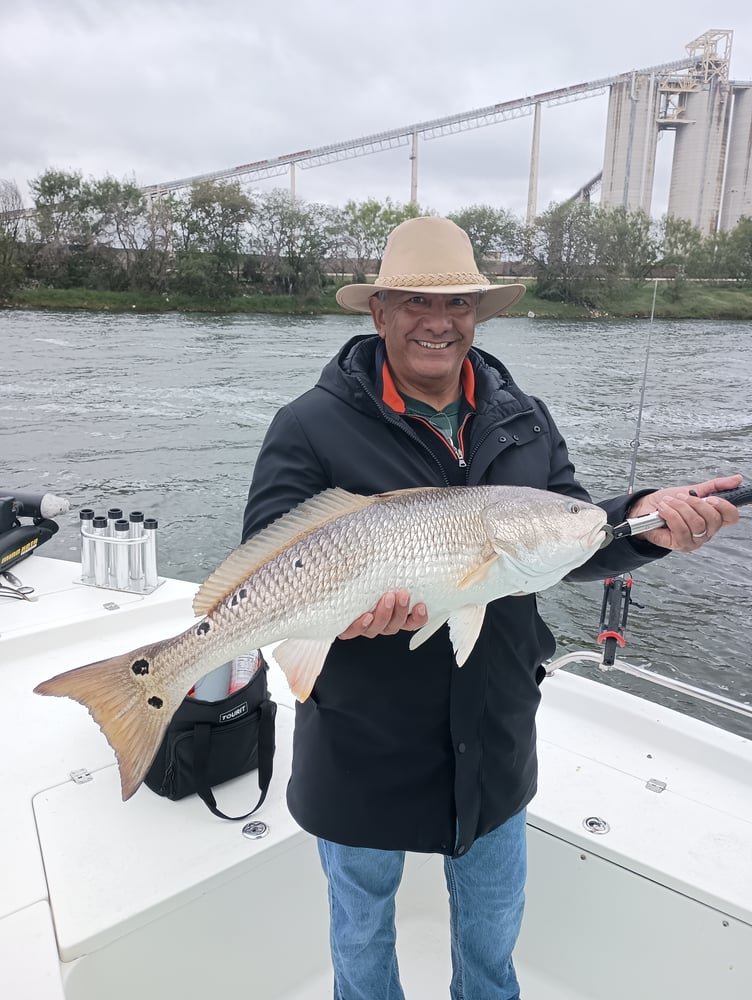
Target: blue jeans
{"x":486,"y":899}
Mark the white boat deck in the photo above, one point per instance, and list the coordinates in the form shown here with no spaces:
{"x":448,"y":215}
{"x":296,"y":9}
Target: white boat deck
{"x":160,"y":899}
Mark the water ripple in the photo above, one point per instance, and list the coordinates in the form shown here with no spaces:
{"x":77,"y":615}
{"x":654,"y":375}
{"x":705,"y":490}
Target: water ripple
{"x":167,"y":413}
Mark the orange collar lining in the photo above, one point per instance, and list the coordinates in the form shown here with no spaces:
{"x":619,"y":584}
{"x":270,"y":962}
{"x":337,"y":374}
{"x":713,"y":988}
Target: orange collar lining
{"x":393,"y":399}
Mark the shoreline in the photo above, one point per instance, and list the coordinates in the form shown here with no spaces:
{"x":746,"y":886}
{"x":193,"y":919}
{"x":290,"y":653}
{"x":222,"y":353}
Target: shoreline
{"x":693,"y":300}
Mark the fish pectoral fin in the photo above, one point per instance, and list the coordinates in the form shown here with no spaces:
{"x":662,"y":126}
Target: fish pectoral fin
{"x":464,"y":628}
{"x":432,"y":625}
{"x":479,"y":573}
{"x":302,"y":661}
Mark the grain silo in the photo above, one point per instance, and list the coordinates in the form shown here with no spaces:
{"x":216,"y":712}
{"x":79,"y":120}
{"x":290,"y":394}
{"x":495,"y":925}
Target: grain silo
{"x":699,"y":157}
{"x":631,"y":138}
{"x":701,"y":123}
{"x":737,"y":193}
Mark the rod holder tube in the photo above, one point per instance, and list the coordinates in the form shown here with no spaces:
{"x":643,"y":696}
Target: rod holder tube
{"x":119,"y":555}
{"x":136,"y":579}
{"x":151,"y":579}
{"x":86,"y":516}
{"x":113,"y":514}
{"x":99,"y":530}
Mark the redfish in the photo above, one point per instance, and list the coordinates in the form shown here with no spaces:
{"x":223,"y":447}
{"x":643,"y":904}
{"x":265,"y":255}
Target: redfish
{"x":309,"y":575}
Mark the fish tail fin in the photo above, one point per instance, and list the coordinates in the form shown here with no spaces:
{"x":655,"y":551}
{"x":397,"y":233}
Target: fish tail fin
{"x":128,"y":704}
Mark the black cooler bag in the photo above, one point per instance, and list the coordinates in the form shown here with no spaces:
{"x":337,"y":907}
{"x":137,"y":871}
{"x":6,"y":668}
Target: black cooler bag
{"x":208,"y":742}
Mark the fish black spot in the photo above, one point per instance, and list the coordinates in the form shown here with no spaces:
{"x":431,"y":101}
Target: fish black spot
{"x":156,"y":702}
{"x":243,"y":594}
{"x":298,"y":564}
{"x":203,"y":628}
{"x":234,"y":600}
{"x":140,"y":667}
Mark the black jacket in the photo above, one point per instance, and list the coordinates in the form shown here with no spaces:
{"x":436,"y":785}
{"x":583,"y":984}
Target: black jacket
{"x":402,"y":750}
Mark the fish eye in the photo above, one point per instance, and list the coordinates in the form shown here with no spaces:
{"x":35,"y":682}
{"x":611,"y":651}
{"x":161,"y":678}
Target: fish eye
{"x":573,"y":508}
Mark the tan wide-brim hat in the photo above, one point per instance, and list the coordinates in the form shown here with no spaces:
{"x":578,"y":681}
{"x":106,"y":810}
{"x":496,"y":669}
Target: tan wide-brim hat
{"x":430,"y":255}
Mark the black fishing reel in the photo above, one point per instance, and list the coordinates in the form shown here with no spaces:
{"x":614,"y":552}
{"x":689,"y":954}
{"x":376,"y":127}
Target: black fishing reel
{"x":18,"y":540}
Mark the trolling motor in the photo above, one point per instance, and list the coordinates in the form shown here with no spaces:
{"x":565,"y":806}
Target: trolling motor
{"x":19,"y":540}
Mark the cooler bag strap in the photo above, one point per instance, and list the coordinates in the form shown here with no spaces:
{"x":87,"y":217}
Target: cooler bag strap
{"x":201,"y":739}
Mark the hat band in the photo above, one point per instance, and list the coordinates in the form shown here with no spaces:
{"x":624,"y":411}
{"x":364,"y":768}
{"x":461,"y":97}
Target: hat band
{"x":431,"y":280}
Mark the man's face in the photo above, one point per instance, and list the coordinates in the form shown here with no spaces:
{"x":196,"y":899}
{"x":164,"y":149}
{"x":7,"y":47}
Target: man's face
{"x":427,"y":338}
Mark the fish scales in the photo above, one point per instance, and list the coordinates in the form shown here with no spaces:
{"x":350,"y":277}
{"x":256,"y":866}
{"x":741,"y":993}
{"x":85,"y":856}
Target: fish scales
{"x":308,"y":576}
{"x":339,"y":570}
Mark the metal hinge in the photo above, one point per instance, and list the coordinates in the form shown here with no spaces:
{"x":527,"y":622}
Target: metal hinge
{"x":81,"y":776}
{"x":655,"y":785}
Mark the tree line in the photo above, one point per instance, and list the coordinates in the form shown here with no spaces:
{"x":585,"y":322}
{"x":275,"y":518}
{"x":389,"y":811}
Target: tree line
{"x":217,"y":241}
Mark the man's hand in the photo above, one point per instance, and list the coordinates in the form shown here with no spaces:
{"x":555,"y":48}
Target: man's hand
{"x":690,"y":520}
{"x":391,"y":615}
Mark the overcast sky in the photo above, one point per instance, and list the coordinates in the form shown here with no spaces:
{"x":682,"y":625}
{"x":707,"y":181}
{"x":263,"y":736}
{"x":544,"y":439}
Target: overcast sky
{"x":153,"y":90}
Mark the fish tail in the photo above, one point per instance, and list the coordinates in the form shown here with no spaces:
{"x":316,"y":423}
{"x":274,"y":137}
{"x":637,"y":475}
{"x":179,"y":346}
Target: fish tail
{"x":128,"y":703}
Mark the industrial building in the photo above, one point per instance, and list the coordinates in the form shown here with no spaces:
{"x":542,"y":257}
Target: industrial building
{"x":737,"y":195}
{"x":711,"y":118}
{"x":709,"y":115}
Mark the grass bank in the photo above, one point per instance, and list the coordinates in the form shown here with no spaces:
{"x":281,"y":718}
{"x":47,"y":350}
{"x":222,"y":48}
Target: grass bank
{"x":690,"y":300}
{"x":84,"y":298}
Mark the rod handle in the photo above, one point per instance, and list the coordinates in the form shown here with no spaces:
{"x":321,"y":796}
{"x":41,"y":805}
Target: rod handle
{"x":739,"y":497}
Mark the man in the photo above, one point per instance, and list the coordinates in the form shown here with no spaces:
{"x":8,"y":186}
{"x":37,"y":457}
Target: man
{"x":398,"y":750}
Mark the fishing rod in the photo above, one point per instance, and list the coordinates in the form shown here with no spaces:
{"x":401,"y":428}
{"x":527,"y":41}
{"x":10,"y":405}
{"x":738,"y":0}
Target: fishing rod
{"x":617,"y":591}
{"x":617,"y":598}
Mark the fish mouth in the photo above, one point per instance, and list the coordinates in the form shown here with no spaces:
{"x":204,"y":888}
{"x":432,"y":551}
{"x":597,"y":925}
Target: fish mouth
{"x":608,"y":535}
{"x":597,"y":537}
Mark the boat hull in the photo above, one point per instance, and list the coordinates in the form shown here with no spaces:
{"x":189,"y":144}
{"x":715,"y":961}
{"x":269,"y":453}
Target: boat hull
{"x":154,"y":898}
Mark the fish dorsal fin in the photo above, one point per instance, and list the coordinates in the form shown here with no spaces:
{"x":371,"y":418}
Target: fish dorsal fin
{"x":280,"y":534}
{"x":408,"y":491}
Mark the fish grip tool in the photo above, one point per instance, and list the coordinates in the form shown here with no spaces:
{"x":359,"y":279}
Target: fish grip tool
{"x":739,"y":497}
{"x":617,"y":591}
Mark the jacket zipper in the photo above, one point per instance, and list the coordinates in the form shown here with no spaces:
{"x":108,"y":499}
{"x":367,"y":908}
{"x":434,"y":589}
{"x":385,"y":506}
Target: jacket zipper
{"x":404,"y":428}
{"x":464,"y":463}
{"x":457,"y":452}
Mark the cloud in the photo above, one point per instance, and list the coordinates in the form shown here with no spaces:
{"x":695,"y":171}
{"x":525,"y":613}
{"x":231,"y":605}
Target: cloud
{"x":172,"y":89}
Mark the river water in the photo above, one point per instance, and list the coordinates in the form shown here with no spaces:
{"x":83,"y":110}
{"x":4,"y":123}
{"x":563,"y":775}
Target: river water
{"x":166,"y":413}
